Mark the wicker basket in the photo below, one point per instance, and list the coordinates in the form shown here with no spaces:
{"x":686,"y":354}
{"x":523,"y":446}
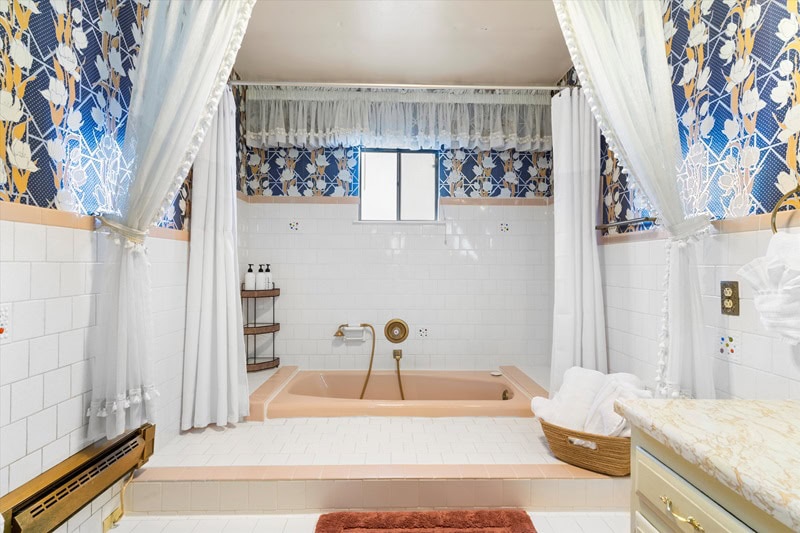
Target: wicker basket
{"x":612,"y":455}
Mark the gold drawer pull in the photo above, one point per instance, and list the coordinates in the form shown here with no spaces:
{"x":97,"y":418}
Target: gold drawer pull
{"x":692,"y":521}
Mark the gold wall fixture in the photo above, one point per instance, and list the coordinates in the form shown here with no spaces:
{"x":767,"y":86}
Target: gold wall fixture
{"x":778,"y":205}
{"x":396,"y":330}
{"x":50,"y":499}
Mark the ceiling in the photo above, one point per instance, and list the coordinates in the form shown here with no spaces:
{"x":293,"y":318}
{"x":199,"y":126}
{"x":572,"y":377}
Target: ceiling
{"x":427,"y":42}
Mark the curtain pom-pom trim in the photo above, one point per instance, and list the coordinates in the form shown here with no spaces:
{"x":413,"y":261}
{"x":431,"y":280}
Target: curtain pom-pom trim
{"x":102,"y":408}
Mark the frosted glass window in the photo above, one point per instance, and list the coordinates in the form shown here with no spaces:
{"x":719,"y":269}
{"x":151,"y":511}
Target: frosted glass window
{"x":378,"y":186}
{"x":398,"y":185}
{"x":418,"y":186}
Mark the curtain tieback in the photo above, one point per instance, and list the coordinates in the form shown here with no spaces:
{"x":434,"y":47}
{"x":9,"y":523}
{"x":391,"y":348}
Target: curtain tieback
{"x":132,"y":235}
{"x":689,"y":228}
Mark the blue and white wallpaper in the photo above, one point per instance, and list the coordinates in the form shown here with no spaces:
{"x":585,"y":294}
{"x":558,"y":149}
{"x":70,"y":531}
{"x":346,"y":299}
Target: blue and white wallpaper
{"x":300,"y":172}
{"x":619,"y":194}
{"x":735,"y":71}
{"x":505,"y":174}
{"x":67,"y":71}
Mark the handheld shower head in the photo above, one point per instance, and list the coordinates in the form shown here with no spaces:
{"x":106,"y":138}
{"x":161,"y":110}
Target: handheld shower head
{"x":340,"y":331}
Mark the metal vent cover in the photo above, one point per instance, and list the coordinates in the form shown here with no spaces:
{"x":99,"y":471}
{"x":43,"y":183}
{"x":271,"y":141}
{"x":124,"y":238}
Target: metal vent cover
{"x":75,"y":483}
{"x":49,"y":500}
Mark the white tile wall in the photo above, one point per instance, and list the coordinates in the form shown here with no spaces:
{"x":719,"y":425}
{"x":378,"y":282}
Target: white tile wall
{"x":484,"y":295}
{"x":46,"y":279}
{"x":762,"y":366}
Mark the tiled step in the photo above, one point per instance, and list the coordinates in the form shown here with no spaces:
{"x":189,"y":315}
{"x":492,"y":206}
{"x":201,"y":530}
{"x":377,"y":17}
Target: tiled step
{"x":238,"y":490}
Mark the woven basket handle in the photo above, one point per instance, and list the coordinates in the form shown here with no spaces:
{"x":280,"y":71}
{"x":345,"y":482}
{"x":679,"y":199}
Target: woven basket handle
{"x":583,"y":443}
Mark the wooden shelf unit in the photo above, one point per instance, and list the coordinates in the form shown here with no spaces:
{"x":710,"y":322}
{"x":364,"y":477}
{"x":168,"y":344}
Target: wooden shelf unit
{"x":252,"y":329}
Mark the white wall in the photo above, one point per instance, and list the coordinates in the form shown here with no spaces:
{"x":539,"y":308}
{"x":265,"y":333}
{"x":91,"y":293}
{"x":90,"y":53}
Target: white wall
{"x":46,"y":280}
{"x":761,"y":366}
{"x":484,"y":294}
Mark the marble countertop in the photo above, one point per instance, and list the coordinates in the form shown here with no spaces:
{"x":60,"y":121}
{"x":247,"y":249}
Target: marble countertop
{"x":751,"y":446}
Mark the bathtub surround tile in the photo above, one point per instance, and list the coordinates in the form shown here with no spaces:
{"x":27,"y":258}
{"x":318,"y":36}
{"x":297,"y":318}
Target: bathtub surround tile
{"x":473,"y":297}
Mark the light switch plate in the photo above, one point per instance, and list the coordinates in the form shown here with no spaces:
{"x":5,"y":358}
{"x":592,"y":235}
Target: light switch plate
{"x":729,"y":297}
{"x":5,"y":322}
{"x":727,"y":346}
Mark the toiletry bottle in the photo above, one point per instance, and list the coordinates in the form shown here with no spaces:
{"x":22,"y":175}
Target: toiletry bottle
{"x":261,"y":279}
{"x":250,"y":279}
{"x":270,"y":284}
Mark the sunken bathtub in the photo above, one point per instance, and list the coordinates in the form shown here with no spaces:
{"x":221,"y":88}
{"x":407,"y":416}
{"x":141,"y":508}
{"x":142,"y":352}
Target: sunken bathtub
{"x":428,"y":393}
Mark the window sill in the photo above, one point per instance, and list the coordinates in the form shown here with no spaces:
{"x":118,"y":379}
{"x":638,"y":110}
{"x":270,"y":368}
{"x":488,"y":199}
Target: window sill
{"x":402,"y":222}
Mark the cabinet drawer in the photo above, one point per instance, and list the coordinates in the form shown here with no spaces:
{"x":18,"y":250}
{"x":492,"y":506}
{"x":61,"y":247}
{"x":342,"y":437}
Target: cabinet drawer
{"x":642,"y":524}
{"x":661,"y":488}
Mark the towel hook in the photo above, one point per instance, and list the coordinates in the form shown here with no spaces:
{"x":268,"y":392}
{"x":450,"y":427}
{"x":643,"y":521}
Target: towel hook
{"x":779,"y":205}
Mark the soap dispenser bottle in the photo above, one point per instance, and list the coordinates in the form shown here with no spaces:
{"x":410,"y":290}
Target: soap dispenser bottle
{"x":270,"y":284}
{"x":261,"y":279}
{"x":250,"y":279}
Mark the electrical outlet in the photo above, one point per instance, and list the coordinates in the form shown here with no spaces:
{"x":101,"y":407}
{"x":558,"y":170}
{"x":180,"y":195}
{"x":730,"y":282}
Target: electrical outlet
{"x":5,"y":322}
{"x":422,"y":332}
{"x":729,"y":297}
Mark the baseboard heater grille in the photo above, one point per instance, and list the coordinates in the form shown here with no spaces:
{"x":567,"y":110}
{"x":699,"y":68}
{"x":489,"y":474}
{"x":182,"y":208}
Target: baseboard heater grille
{"x":47,"y":501}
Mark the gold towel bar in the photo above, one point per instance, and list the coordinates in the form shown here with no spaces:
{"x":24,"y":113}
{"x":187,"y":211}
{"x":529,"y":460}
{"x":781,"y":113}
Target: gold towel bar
{"x":780,"y":204}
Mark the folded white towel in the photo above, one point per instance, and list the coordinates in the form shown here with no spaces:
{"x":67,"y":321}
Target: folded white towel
{"x":601,"y":418}
{"x":585,"y":401}
{"x":570,"y":405}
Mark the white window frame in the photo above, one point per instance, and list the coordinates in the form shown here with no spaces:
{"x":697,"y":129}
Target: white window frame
{"x":398,"y":153}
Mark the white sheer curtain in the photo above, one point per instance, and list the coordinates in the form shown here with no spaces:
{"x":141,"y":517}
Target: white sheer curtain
{"x":618,"y":51}
{"x":391,"y":118}
{"x":214,"y":367}
{"x":579,"y":322}
{"x":186,"y":57}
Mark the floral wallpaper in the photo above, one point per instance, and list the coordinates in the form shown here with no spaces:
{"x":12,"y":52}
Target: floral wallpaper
{"x":735,"y":70}
{"x":620,"y":198}
{"x":300,"y":172}
{"x":67,"y":71}
{"x":334,"y":172}
{"x":506,"y":174}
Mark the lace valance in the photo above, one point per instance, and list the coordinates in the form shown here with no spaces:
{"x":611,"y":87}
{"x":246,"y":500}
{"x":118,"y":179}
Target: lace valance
{"x":398,"y":118}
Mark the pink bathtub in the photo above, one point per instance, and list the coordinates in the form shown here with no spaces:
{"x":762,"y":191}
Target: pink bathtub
{"x":428,"y":393}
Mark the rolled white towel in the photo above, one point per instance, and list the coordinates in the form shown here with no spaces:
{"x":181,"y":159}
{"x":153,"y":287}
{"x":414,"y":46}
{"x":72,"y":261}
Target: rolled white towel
{"x":601,"y":418}
{"x":570,"y":405}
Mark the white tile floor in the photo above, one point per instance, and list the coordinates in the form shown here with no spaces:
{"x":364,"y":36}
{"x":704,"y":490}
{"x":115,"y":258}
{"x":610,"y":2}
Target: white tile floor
{"x":361,"y":440}
{"x":543,"y":521}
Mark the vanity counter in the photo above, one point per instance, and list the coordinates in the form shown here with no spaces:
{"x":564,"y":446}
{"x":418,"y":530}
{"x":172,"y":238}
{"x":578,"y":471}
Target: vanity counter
{"x":749,"y":446}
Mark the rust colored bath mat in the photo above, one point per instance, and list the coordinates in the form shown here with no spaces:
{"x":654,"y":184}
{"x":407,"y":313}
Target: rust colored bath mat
{"x":487,"y":521}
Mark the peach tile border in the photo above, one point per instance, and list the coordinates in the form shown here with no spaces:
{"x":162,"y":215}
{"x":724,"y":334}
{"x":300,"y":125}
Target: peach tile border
{"x":292,"y":496}
{"x":296,"y":199}
{"x":260,"y":398}
{"x":354,"y":200}
{"x":496,"y":201}
{"x":31,"y":214}
{"x":354,"y":472}
{"x":166,"y":233}
{"x":785,"y":219}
